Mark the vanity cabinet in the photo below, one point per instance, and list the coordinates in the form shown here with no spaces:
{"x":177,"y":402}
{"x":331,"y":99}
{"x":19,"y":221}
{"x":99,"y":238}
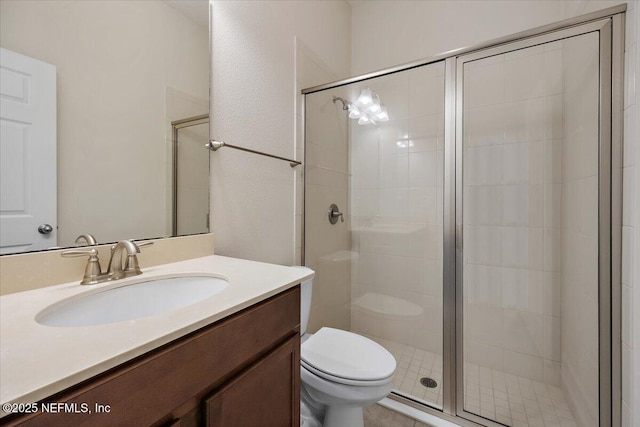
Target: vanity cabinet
{"x":243,"y":370}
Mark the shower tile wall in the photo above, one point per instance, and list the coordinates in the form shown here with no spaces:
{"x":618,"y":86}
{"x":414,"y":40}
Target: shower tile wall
{"x":396,"y":171}
{"x":512,"y":213}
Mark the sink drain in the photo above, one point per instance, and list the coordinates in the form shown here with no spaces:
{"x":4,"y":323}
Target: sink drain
{"x":428,"y":382}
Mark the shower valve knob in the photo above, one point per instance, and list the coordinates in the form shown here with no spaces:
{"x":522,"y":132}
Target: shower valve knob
{"x":334,"y":214}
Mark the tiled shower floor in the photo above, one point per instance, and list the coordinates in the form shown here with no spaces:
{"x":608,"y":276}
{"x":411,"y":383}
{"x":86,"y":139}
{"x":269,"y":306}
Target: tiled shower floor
{"x":511,"y":400}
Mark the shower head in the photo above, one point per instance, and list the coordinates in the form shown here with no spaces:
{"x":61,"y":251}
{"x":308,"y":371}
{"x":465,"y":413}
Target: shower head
{"x":345,"y":103}
{"x":368,"y":109}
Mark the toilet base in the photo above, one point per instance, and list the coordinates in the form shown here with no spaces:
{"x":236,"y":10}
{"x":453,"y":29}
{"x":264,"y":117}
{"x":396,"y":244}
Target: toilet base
{"x":307,"y":417}
{"x":339,"y":405}
{"x":341,"y":416}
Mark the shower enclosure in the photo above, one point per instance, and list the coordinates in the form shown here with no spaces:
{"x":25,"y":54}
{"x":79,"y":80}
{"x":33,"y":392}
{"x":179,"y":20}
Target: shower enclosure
{"x":480,"y":193}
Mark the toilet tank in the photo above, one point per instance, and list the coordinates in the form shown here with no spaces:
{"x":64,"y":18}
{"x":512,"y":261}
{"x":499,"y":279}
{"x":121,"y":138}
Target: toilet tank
{"x":306,"y":290}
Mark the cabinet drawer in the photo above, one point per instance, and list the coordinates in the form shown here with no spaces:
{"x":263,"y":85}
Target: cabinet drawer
{"x":146,"y":390}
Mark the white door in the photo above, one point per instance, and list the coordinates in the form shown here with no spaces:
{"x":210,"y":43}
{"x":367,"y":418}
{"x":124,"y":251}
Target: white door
{"x":27,"y":153}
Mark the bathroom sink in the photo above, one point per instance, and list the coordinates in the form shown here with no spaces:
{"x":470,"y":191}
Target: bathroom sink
{"x":132,"y":301}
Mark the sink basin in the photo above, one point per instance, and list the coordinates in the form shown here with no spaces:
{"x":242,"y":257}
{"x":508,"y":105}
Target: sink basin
{"x":132,"y":301}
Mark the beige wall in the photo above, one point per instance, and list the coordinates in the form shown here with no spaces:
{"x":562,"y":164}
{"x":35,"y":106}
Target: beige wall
{"x":24,"y":272}
{"x":387,"y":33}
{"x":256,"y":104}
{"x":123,"y":66}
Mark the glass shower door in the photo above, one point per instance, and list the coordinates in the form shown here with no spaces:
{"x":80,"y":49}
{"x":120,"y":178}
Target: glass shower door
{"x":530,"y":269}
{"x":379,"y":273}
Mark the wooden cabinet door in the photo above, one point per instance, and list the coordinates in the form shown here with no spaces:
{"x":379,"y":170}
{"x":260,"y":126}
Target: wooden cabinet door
{"x":267,"y":394}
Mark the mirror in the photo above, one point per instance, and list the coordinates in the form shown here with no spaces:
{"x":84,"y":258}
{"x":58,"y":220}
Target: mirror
{"x":104,"y":117}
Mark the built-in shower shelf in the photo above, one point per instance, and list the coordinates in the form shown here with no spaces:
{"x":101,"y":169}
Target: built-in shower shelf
{"x":387,"y":305}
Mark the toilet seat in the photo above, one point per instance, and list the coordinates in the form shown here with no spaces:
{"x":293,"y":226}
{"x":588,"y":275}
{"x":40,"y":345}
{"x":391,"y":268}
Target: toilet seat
{"x":343,"y":381}
{"x":347,"y":358}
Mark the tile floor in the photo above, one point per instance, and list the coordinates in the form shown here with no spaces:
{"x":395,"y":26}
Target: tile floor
{"x":508,"y":399}
{"x":377,"y":416}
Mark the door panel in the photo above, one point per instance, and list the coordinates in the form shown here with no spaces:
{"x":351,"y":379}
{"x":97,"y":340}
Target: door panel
{"x":27,"y":153}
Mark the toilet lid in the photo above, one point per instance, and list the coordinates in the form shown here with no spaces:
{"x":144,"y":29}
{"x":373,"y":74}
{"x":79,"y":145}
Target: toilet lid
{"x":347,"y":355}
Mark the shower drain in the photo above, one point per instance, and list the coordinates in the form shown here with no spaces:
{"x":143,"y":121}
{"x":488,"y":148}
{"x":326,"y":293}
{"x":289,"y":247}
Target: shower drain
{"x":428,"y":382}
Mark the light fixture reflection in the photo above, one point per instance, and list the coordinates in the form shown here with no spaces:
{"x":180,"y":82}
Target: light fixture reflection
{"x":365,"y":120}
{"x":368,"y":109}
{"x":374,"y":108}
{"x":382,"y":115}
{"x":354,"y":112}
{"x":404,"y":143}
{"x":365,"y":98}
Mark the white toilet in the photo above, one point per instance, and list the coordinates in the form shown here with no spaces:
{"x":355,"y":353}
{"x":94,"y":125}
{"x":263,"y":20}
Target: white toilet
{"x":341,"y":372}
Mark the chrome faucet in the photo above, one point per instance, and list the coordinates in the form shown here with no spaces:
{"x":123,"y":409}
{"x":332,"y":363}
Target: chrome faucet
{"x":118,"y":268}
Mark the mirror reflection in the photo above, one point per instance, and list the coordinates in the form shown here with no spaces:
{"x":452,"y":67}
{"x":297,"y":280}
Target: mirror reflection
{"x":91,"y":92}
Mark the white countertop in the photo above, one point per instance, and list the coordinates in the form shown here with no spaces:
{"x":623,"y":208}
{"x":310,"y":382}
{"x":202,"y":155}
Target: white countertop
{"x":37,"y":361}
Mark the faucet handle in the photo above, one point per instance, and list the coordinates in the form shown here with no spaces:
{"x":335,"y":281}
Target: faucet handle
{"x":92,"y":271}
{"x":79,"y":252}
{"x":145,"y":243}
